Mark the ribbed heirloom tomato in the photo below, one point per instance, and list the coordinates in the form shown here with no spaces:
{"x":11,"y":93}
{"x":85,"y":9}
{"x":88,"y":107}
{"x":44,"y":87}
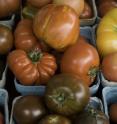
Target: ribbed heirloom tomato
{"x":58,"y":26}
{"x":28,"y":109}
{"x":81,"y":59}
{"x":54,"y":119}
{"x":6,"y":40}
{"x":24,"y":37}
{"x":92,"y":116}
{"x":32,"y":68}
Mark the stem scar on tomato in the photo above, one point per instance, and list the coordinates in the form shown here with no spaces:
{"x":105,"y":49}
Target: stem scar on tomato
{"x":93,"y":72}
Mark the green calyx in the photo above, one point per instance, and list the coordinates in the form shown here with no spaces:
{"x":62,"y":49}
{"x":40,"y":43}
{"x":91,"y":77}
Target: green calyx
{"x":93,"y":72}
{"x":91,"y":111}
{"x":35,"y":56}
{"x":59,"y":98}
{"x":29,"y":12}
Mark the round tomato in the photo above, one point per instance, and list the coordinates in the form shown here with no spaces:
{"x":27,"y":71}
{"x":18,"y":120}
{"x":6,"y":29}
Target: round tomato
{"x":24,"y":37}
{"x":38,"y":3}
{"x":105,"y":6}
{"x":7,"y":7}
{"x":81,"y":59}
{"x":109,"y":67}
{"x":28,"y":109}
{"x":113,"y":113}
{"x":6,"y":39}
{"x":77,"y":5}
{"x":54,"y":119}
{"x":87,"y":12}
{"x":32,"y":68}
{"x":106,"y":35}
{"x":58,"y":26}
{"x":66,"y":94}
{"x":1,"y":118}
{"x":91,"y":116}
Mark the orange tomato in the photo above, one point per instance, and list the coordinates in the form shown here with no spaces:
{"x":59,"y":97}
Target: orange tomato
{"x":58,"y":26}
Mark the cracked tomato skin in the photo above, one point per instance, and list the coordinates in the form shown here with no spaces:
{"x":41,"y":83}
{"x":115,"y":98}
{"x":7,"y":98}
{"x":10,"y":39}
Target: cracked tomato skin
{"x":81,"y":59}
{"x":66,"y":94}
{"x":30,"y":70}
{"x":106,"y":35}
{"x":54,"y":119}
{"x":58,"y":26}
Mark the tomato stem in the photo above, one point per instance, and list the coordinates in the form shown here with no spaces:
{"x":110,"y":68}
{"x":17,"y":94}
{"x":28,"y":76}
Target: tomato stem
{"x":91,"y":111}
{"x":35,"y":55}
{"x":93,"y":72}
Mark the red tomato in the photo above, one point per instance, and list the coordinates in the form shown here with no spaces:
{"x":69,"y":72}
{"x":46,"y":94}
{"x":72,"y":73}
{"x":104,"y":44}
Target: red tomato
{"x":81,"y":59}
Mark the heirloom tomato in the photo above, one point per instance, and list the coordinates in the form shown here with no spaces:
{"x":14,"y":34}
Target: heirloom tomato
{"x":32,"y":68}
{"x":81,"y":59}
{"x":106,"y":35}
{"x":24,"y":37}
{"x":58,"y":26}
{"x":54,"y":119}
{"x":6,"y":39}
{"x":105,"y":6}
{"x":113,"y":113}
{"x":66,"y":94}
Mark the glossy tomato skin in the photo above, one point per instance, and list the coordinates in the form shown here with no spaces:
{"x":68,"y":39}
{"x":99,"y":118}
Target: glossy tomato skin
{"x":30,"y":71}
{"x":92,"y":116}
{"x":6,"y":39}
{"x":77,"y":5}
{"x":54,"y":119}
{"x":106,"y":34}
{"x":84,"y":63}
{"x":28,"y":110}
{"x":105,"y":6}
{"x":66,"y":94}
{"x":87,"y":12}
{"x":109,"y":67}
{"x":1,"y":118}
{"x":38,"y":3}
{"x":24,"y":37}
{"x":8,"y":7}
{"x":58,"y":26}
{"x":113,"y":113}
